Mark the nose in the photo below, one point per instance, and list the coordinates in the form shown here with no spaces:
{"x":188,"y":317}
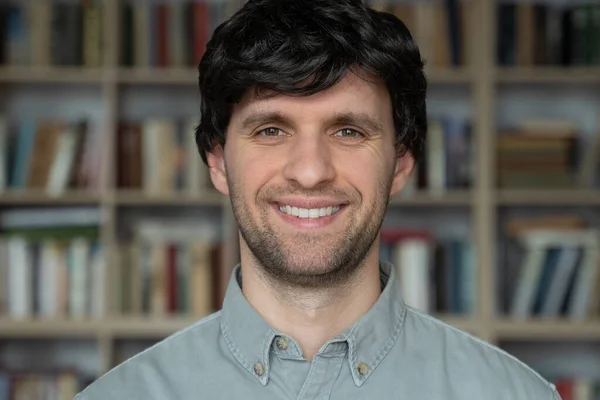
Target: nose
{"x":310,"y":161}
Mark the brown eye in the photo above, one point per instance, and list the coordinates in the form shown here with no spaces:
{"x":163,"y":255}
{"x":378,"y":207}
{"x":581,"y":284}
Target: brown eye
{"x":349,"y":133}
{"x":271,"y":132}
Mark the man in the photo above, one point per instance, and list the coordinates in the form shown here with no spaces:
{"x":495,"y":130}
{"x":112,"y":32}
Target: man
{"x":313,"y":115}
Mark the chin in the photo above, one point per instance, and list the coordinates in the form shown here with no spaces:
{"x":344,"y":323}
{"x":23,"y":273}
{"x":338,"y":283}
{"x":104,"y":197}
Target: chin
{"x":309,"y":269}
{"x":309,"y":272}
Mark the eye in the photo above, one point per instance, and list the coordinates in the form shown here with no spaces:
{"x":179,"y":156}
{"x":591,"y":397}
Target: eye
{"x":349,"y":133}
{"x":271,"y":131}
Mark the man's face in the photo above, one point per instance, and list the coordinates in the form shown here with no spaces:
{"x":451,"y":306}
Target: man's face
{"x":309,"y":179}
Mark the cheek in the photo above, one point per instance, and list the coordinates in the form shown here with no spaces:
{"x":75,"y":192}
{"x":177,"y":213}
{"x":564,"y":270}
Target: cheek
{"x":253,"y":169}
{"x":363,"y":171}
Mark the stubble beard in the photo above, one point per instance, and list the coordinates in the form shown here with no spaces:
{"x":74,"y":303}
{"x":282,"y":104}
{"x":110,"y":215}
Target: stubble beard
{"x":310,"y":262}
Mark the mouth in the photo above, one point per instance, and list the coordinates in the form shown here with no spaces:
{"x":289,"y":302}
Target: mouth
{"x":309,"y":213}
{"x":309,"y":218}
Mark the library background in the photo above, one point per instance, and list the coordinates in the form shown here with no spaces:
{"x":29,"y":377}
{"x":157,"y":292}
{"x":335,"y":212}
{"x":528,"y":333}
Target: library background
{"x":112,"y":236}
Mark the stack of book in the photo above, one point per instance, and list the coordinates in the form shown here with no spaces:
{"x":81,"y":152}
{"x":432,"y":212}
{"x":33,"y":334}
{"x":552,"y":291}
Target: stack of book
{"x":444,"y":41}
{"x":436,"y":274}
{"x":538,"y":154}
{"x":559,"y":273}
{"x":61,"y":33}
{"x":160,"y":156}
{"x":49,"y":155}
{"x":34,"y":385}
{"x":51,"y":263}
{"x":170,"y":268}
{"x":170,"y":34}
{"x":448,"y":161}
{"x":560,"y":34}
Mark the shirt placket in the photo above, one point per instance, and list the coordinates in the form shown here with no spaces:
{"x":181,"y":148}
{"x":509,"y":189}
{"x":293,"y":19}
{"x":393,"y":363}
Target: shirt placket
{"x":323,"y":373}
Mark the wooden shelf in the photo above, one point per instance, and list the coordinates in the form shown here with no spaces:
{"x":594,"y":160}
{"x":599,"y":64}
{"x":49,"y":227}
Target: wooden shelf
{"x":172,"y":76}
{"x":459,"y":75}
{"x":547,"y":330}
{"x":425,"y":198}
{"x":32,"y":197}
{"x":50,"y":328}
{"x":545,"y":197}
{"x":138,"y":198}
{"x":137,"y":327}
{"x":52,"y":75}
{"x":56,"y":75}
{"x":464,"y":323}
{"x":120,"y":327}
{"x":147,"y":327}
{"x":547,"y":75}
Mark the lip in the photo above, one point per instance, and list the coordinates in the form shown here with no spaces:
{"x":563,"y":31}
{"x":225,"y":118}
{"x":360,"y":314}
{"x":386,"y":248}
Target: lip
{"x":309,"y":203}
{"x":309,"y":223}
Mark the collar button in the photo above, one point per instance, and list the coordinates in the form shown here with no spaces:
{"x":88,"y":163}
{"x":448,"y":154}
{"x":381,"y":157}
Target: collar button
{"x":282,"y":343}
{"x":363,"y":369}
{"x":259,"y":369}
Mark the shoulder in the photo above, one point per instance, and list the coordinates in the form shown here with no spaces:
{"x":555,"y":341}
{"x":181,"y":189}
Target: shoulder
{"x":474,"y":363}
{"x":153,"y":373}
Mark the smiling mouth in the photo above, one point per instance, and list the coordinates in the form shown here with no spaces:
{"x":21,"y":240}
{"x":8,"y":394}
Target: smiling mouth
{"x":313,"y":213}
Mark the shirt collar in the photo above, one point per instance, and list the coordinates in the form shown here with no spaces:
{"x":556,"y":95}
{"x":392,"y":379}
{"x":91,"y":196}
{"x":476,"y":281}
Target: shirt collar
{"x":372,"y":337}
{"x":250,"y":338}
{"x":246,"y":333}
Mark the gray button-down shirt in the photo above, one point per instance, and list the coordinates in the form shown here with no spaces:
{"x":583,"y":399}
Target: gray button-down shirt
{"x":393,"y":352}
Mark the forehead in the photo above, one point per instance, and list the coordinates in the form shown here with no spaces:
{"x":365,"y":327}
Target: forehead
{"x":353,"y":93}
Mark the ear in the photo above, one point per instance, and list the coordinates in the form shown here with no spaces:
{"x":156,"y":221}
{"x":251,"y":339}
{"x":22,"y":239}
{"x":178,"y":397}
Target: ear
{"x":404,"y":166}
{"x":218,"y":172}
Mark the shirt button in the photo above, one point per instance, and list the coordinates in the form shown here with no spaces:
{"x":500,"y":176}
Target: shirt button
{"x":282,"y":343}
{"x":363,"y":368}
{"x":259,"y":369}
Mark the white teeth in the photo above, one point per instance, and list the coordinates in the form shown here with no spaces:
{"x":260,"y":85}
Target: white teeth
{"x":309,"y":213}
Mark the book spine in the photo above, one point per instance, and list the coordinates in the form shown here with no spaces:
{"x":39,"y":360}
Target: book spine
{"x":455,"y":34}
{"x":162,"y":56}
{"x":127,"y":28}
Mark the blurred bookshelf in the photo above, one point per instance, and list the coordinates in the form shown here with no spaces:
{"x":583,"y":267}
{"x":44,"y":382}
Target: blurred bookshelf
{"x":491,"y":90}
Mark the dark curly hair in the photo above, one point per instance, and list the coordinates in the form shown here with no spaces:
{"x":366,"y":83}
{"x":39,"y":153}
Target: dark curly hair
{"x":301,"y":47}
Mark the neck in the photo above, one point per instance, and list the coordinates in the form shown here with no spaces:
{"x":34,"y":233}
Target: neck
{"x":311,"y":317}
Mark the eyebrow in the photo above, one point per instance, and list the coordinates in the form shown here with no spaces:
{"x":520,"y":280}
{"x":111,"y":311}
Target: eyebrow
{"x":359,"y":119}
{"x":260,"y":118}
{"x":351,"y":118}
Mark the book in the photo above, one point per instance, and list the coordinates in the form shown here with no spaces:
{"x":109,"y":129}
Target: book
{"x":540,"y":153}
{"x":160,"y":156}
{"x":558,"y":274}
{"x":545,"y":34}
{"x":52,"y":33}
{"x":170,"y":268}
{"x":51,"y":272}
{"x":41,"y":384}
{"x":449,"y":158}
{"x":47,"y":156}
{"x":437,"y":274}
